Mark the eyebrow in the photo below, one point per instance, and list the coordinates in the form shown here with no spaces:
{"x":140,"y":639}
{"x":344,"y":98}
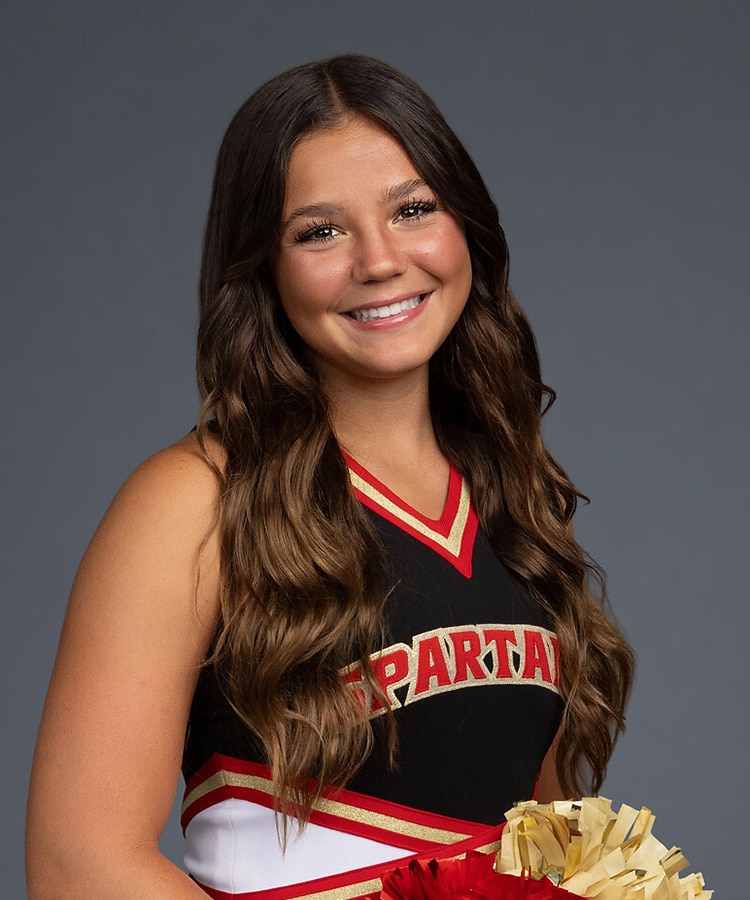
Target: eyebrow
{"x":313,"y":209}
{"x":404,"y":189}
{"x":321,"y":210}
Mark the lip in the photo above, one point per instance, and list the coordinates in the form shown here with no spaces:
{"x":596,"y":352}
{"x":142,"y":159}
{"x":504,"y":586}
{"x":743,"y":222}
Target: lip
{"x":391,"y":322}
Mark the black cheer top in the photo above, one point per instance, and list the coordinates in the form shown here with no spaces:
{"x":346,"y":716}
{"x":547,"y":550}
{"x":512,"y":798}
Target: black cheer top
{"x":470,"y":669}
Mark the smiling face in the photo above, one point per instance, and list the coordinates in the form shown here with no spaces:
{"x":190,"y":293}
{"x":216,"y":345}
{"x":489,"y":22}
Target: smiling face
{"x":372,"y":270}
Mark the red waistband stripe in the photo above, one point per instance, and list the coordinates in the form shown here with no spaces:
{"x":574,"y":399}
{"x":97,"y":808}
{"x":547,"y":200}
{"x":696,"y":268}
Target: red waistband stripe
{"x":224,"y":777}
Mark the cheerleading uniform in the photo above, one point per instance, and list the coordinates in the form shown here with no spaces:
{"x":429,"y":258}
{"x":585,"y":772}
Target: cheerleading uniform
{"x":457,"y":619}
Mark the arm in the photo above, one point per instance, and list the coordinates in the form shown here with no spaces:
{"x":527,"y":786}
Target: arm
{"x":141,"y":615}
{"x":548,"y":785}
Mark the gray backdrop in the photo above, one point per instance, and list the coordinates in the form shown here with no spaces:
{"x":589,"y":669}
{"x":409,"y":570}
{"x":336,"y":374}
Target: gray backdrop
{"x":615,"y":139}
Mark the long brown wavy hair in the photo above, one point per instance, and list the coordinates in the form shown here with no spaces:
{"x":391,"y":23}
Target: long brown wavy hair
{"x":301,"y":579}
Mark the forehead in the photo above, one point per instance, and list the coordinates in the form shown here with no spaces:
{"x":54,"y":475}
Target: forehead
{"x":346,"y":159}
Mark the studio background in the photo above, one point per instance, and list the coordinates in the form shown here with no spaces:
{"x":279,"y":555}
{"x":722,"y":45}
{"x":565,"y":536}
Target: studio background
{"x":614,"y":138}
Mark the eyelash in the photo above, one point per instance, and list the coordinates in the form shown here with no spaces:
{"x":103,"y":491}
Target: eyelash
{"x":421,"y":207}
{"x":311,"y":232}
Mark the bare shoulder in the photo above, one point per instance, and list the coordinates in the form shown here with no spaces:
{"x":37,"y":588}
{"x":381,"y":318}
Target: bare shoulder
{"x":161,"y":525}
{"x":179,"y":475}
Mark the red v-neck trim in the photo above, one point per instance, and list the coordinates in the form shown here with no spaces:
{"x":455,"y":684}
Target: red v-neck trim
{"x":442,"y":525}
{"x":451,"y":536}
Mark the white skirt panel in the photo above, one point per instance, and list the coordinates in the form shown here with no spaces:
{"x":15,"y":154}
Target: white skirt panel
{"x":234,"y":846}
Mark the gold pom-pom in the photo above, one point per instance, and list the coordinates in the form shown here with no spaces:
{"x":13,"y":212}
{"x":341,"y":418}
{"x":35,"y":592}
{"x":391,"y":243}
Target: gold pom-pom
{"x":588,"y":849}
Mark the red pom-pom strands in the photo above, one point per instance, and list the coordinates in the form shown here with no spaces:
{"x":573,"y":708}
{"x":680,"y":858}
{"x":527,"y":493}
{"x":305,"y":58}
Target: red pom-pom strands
{"x":473,"y":877}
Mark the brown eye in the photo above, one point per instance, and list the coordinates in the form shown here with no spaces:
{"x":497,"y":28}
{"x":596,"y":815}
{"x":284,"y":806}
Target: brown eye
{"x":416,"y":209}
{"x":316,"y":232}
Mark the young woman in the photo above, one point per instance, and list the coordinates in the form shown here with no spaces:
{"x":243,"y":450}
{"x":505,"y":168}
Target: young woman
{"x":355,"y":586}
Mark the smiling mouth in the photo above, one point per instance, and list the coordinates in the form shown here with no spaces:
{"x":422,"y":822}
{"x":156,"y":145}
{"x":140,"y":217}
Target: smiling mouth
{"x":385,"y":312}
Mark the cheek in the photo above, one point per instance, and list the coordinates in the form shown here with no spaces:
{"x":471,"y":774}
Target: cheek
{"x":307,"y":283}
{"x":447,"y":256}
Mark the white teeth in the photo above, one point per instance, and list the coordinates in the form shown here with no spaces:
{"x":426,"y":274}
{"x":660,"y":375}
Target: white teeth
{"x":383,"y":312}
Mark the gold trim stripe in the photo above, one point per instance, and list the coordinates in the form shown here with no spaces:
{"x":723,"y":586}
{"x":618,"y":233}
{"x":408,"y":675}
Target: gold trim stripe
{"x":492,"y":847}
{"x":332,"y":807}
{"x":217,"y":780}
{"x":344,"y":893}
{"x":451,"y":543}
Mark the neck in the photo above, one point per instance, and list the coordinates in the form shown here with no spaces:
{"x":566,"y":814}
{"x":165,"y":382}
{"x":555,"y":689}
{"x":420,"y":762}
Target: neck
{"x":387,"y":427}
{"x":382,"y":420}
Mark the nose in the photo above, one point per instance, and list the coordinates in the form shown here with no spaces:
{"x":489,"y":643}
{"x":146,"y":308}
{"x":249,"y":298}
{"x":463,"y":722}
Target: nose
{"x":378,"y":256}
